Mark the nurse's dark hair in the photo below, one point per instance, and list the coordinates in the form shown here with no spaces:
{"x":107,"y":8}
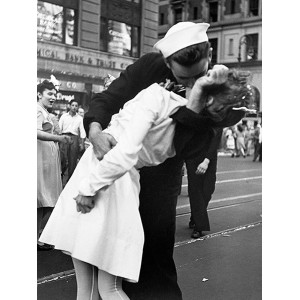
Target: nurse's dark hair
{"x":234,"y":93}
{"x":46,"y":84}
{"x":190,"y":55}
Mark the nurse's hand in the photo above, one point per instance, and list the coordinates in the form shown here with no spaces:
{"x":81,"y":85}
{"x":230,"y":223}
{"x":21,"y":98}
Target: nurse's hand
{"x":102,"y":142}
{"x":84,"y":203}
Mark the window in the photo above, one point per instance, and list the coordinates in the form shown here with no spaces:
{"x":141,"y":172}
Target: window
{"x":56,"y":23}
{"x":119,"y":38}
{"x":253,"y":8}
{"x":120,"y":28}
{"x":230,"y":48}
{"x":162,"y":19}
{"x":213,"y":12}
{"x":195,"y":13}
{"x":252,"y":46}
{"x":214,"y":46}
{"x":178,"y":15}
{"x":232,"y":6}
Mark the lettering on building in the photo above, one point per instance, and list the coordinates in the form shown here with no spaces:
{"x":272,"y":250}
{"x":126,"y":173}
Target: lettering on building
{"x":48,"y":53}
{"x":74,"y":58}
{"x":80,"y":59}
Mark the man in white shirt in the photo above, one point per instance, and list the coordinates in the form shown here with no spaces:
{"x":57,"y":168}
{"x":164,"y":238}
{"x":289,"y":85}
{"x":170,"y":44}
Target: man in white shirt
{"x":71,"y":124}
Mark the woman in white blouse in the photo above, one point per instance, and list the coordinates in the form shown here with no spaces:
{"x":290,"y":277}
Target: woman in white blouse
{"x":102,"y":229}
{"x":49,"y":184}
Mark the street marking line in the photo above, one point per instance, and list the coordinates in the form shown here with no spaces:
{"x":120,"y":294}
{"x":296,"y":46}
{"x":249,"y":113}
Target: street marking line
{"x":235,"y":171}
{"x":217,"y":234}
{"x":217,"y":208}
{"x":232,"y":180}
{"x":238,"y":171}
{"x":224,"y":199}
{"x":239,"y":179}
{"x":56,"y":276}
{"x":236,"y":197}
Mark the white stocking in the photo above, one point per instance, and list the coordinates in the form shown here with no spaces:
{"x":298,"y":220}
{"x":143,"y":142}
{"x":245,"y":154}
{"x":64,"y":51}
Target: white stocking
{"x":110,"y":286}
{"x":86,"y":278}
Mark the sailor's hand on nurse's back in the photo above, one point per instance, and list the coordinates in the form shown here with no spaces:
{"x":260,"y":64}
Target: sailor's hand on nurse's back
{"x":102,"y":142}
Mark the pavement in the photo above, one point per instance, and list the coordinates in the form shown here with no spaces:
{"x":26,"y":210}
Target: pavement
{"x":223,"y":265}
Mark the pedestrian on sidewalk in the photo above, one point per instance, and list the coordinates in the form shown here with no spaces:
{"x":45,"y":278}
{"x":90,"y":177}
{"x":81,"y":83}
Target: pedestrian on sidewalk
{"x":71,"y":124}
{"x":256,"y":140}
{"x":230,"y":141}
{"x":258,"y":152}
{"x":248,"y":139}
{"x":240,"y":141}
{"x":106,"y":239}
{"x":49,"y":184}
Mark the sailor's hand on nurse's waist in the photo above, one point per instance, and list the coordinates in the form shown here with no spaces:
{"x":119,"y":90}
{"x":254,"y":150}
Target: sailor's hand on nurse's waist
{"x":102,"y":142}
{"x":84,"y":203}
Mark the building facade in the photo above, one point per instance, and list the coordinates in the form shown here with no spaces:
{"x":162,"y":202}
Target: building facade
{"x":235,"y":31}
{"x":81,"y":41}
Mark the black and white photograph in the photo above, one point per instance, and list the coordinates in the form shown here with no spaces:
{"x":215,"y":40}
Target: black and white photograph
{"x":148,"y":167}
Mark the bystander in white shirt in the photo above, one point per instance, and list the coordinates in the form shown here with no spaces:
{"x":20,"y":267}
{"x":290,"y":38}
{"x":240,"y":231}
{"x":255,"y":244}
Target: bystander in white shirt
{"x":72,"y":124}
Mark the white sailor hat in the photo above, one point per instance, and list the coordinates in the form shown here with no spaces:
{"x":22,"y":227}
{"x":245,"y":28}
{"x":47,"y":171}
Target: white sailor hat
{"x":182,"y":35}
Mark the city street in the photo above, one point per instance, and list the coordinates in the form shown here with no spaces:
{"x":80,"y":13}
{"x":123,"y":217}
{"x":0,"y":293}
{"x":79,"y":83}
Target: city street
{"x":225,"y":264}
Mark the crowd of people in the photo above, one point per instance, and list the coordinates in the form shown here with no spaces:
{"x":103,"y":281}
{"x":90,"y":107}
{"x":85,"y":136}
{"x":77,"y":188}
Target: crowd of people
{"x":243,"y":140}
{"x":116,"y":215}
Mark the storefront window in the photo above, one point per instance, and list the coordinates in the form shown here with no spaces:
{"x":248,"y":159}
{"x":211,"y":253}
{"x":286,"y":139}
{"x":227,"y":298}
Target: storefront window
{"x":56,"y":23}
{"x":119,"y":38}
